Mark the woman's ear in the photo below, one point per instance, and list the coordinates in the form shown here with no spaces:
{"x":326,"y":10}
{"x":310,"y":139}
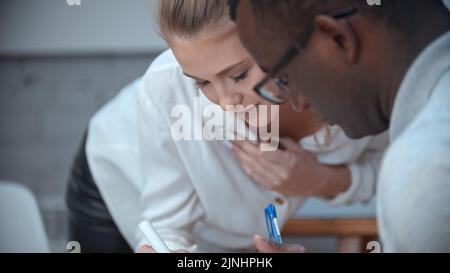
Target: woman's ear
{"x":339,"y":35}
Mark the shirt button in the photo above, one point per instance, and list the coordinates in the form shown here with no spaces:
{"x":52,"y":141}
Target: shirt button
{"x":280,"y":201}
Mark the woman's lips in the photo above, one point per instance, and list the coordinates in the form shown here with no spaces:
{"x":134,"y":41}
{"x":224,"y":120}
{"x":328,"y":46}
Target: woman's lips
{"x":249,"y":109}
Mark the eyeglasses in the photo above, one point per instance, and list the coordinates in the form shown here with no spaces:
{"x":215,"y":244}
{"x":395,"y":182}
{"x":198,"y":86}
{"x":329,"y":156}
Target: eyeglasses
{"x":275,"y":88}
{"x":232,"y":6}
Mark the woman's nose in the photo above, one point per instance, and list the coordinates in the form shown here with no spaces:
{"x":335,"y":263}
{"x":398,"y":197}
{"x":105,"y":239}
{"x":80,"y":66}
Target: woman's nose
{"x":233,"y":99}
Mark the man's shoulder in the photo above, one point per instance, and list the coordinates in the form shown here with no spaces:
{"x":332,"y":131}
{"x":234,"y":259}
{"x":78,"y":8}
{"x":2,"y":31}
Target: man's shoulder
{"x":420,"y":155}
{"x":413,"y":188}
{"x":424,"y":140}
{"x":429,"y":131}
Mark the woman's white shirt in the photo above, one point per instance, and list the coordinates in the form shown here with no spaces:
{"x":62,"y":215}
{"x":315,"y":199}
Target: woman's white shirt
{"x":195,"y":191}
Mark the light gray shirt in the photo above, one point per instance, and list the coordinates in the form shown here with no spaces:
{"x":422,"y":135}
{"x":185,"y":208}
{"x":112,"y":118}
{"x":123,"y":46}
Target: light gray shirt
{"x":414,"y":180}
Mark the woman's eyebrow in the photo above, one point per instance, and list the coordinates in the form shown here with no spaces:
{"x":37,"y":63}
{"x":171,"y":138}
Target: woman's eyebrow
{"x":231,"y":67}
{"x":221,"y":73}
{"x":192,"y":77}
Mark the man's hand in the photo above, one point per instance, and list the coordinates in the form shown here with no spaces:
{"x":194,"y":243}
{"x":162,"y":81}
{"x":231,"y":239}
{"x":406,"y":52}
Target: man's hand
{"x":263,"y":246}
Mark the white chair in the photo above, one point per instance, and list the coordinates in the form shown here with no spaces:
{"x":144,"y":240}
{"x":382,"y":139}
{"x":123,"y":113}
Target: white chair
{"x":21,"y":226}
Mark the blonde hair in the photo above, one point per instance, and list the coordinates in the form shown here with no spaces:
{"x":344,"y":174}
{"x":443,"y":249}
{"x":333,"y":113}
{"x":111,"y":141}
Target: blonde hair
{"x":188,"y":18}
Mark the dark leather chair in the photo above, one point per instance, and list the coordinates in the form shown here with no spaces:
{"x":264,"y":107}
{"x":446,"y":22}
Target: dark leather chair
{"x":90,"y":222}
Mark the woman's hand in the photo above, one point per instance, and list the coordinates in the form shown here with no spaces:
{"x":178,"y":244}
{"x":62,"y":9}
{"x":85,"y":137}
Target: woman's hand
{"x":149,"y":249}
{"x":263,"y":246}
{"x":290,"y":170}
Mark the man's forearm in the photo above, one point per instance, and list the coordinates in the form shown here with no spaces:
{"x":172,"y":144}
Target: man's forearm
{"x":332,"y":180}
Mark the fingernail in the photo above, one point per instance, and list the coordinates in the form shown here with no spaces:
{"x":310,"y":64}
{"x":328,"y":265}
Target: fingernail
{"x":228,"y":144}
{"x":259,"y":237}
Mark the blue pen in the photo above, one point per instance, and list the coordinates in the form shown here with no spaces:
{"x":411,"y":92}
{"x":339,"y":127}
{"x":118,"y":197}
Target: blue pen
{"x":272,"y":225}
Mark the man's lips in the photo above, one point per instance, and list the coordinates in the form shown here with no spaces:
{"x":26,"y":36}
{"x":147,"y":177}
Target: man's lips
{"x":303,"y":105}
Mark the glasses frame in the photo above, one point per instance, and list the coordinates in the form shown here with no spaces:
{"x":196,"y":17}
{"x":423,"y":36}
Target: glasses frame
{"x":290,"y":55}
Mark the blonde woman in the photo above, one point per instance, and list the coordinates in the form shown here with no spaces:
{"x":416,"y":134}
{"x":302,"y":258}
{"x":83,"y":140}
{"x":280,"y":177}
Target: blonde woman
{"x":198,"y":192}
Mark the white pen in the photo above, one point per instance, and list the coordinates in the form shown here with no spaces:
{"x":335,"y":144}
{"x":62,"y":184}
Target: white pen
{"x":153,"y":238}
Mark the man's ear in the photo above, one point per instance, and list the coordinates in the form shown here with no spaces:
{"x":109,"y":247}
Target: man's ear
{"x":340,"y":34}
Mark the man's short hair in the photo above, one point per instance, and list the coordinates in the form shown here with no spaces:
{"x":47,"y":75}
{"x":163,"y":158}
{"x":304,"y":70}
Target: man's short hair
{"x":402,"y":15}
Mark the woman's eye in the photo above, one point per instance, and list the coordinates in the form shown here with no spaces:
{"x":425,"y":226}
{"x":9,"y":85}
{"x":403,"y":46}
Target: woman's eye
{"x":201,"y":85}
{"x":241,"y":76}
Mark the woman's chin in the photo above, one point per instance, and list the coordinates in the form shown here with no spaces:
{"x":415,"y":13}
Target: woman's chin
{"x":255,"y":125}
{"x":252,"y":119}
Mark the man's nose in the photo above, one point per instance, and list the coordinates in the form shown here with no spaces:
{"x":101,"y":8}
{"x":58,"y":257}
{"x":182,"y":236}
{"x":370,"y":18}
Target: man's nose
{"x":300,"y":102}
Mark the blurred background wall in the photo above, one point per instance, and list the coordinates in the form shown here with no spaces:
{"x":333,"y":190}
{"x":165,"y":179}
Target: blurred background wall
{"x":58,"y":65}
